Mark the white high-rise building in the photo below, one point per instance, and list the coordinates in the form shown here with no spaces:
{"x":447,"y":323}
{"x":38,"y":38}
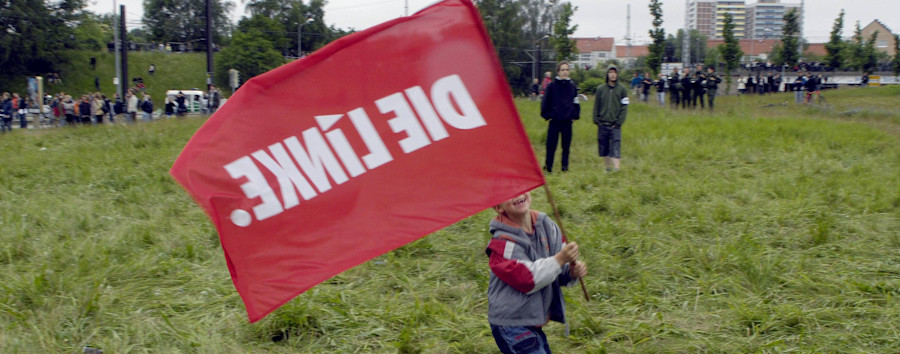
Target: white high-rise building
{"x":765,"y":18}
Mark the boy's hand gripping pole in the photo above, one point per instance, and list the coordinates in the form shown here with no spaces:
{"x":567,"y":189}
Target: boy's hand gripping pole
{"x":563,"y":230}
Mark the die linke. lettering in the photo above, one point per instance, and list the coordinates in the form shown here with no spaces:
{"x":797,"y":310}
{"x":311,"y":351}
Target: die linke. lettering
{"x":423,"y":120}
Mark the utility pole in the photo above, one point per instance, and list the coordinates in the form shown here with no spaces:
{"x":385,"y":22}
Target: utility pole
{"x":801,"y":23}
{"x":628,"y":32}
{"x":123,"y":82}
{"x":686,"y":40}
{"x":299,"y":37}
{"x":209,"y":44}
{"x":116,"y":49}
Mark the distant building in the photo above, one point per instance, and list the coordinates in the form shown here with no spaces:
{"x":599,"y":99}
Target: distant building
{"x":738,"y":13}
{"x":708,"y":16}
{"x":627,"y":55}
{"x":765,"y":18}
{"x":816,"y":49}
{"x":701,"y":16}
{"x":593,"y":51}
{"x":884,"y":40}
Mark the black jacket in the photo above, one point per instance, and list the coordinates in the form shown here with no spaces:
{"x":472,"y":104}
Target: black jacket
{"x":712,"y":81}
{"x":147,"y":106}
{"x":559,"y":101}
{"x":84,"y":109}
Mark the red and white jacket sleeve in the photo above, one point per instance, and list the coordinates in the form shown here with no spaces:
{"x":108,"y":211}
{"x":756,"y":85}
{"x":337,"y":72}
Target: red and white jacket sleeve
{"x":508,"y":263}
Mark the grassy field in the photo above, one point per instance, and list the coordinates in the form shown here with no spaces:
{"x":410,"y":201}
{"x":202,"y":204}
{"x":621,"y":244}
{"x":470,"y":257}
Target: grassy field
{"x":760,"y":228}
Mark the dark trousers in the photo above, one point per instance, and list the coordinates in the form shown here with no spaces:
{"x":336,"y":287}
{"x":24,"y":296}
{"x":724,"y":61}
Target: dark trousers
{"x":685,"y":98}
{"x":712,"y":98}
{"x":698,"y":94}
{"x":676,"y":97}
{"x":556,"y":129}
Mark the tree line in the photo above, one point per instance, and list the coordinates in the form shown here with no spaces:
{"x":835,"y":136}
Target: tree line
{"x":529,"y":36}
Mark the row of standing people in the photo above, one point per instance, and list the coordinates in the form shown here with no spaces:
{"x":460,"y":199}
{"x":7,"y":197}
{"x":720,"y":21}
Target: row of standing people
{"x":13,"y":106}
{"x":96,"y":108}
{"x":761,"y":84}
{"x":684,"y":90}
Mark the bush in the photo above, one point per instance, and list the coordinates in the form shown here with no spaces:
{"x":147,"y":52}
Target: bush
{"x":589,"y":86}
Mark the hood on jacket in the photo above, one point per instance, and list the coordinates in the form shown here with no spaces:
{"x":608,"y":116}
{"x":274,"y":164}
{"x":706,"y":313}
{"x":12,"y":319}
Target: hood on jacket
{"x":503,"y":224}
{"x":611,"y":68}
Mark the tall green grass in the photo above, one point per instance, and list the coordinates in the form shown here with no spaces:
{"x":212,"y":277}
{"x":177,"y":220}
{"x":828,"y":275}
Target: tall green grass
{"x":757,"y":228}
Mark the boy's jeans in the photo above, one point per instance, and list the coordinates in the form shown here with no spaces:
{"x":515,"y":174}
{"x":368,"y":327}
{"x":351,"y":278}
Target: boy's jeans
{"x":520,"y":339}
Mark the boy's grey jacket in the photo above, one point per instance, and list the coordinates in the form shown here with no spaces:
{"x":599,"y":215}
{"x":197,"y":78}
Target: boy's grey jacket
{"x":529,"y":260}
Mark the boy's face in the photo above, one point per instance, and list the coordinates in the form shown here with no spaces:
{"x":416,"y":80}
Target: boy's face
{"x":563,"y":71}
{"x":516,"y":206}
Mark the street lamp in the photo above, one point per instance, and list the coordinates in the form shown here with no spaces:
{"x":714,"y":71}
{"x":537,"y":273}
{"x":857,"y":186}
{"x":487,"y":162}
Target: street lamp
{"x":299,"y":38}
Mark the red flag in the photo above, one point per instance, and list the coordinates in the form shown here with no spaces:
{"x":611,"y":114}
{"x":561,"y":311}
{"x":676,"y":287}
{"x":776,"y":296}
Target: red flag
{"x":370,"y":143}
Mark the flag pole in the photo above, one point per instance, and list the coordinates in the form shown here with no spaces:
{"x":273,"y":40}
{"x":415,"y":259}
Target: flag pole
{"x":563,"y":230}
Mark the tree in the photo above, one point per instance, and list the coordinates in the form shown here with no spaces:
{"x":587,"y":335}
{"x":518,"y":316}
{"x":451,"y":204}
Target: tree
{"x":507,"y":30}
{"x":853,"y":51}
{"x":713,"y":57}
{"x":790,"y":43}
{"x":185,"y":21}
{"x":250,"y":53}
{"x":835,"y":46}
{"x":730,"y":50}
{"x":284,"y":20}
{"x":697,"y":48}
{"x":869,"y":59}
{"x":561,"y":39}
{"x":93,"y":32}
{"x":657,"y":48}
{"x":274,"y":31}
{"x":672,"y":48}
{"x":895,"y":64}
{"x":32,"y":33}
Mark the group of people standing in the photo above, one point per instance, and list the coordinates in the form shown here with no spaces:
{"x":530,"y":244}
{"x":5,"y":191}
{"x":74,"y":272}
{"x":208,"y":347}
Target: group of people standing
{"x":560,"y":106}
{"x":760,"y":84}
{"x":13,"y":106}
{"x":685,"y":90}
{"x":96,"y":108}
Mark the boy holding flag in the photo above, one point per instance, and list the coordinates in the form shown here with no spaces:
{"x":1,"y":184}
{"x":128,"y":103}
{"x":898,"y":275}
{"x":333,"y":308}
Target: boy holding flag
{"x":530,"y":261}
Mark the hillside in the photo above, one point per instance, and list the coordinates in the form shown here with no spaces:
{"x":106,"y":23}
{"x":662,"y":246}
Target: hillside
{"x":173,"y":71}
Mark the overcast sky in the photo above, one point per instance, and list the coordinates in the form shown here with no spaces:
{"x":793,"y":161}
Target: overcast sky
{"x":595,"y":18}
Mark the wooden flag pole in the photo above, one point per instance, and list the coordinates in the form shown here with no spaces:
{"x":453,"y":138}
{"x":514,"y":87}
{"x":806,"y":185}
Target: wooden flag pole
{"x":563,"y":230}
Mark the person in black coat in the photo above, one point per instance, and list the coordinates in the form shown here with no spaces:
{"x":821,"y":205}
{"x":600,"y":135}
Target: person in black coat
{"x":687,"y":82}
{"x":84,"y":109}
{"x":560,"y":107}
{"x":182,"y":106}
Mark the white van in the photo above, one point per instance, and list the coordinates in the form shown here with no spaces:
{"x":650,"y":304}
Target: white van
{"x":193,"y":99}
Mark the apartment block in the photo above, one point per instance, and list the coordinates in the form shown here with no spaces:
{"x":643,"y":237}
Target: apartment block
{"x":701,"y":16}
{"x":765,"y":18}
{"x":708,"y":16}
